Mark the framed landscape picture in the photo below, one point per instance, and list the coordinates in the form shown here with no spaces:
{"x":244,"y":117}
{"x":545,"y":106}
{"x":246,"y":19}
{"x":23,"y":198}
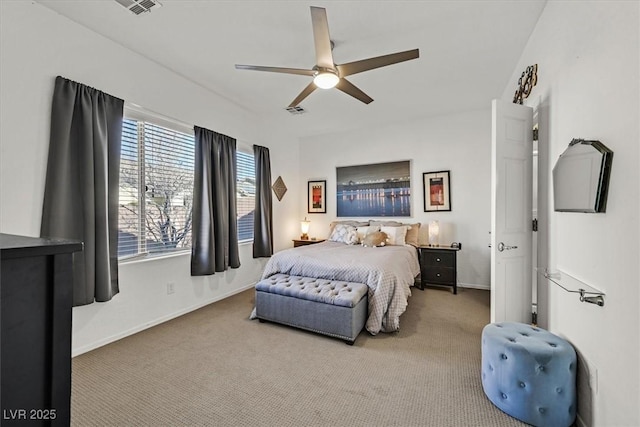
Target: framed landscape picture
{"x":317,"y":197}
{"x":373,"y":190}
{"x":437,"y":191}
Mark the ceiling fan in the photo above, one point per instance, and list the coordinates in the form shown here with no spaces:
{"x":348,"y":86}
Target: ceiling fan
{"x":327,"y":74}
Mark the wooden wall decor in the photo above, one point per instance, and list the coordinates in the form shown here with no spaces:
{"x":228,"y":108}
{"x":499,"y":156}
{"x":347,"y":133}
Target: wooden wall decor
{"x":279,"y":188}
{"x":526,"y":82}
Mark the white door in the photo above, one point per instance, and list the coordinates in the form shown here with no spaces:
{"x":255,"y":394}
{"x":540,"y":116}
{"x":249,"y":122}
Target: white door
{"x":511,"y":193}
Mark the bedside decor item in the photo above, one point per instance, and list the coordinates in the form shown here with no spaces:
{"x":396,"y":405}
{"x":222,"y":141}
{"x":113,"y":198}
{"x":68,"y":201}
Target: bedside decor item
{"x":526,"y":82}
{"x":317,"y":197}
{"x":437,"y":191}
{"x":434,"y":233}
{"x":381,"y":189}
{"x":279,"y":188}
{"x":581,"y":177}
{"x":304,"y":228}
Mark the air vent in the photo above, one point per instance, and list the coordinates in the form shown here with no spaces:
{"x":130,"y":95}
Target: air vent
{"x":296,"y":110}
{"x":139,"y":6}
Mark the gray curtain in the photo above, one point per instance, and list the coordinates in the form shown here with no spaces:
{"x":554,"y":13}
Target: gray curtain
{"x":81,"y":188}
{"x":262,"y":218}
{"x":215,"y":230}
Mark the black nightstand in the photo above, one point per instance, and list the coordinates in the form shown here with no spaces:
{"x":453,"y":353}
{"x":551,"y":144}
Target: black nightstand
{"x":438,"y":266}
{"x":300,"y":242}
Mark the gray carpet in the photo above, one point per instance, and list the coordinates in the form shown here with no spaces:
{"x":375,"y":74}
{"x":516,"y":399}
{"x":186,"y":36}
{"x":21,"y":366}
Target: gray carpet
{"x":215,"y":367}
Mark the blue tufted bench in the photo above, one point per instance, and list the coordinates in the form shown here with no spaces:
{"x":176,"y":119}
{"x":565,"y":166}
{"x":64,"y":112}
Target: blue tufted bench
{"x":330,"y":307}
{"x":529,"y":373}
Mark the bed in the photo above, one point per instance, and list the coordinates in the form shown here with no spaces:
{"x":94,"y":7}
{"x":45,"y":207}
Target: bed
{"x":388,"y":271}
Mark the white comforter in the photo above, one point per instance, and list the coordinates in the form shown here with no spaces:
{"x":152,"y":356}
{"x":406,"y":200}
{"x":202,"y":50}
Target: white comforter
{"x":388,"y":271}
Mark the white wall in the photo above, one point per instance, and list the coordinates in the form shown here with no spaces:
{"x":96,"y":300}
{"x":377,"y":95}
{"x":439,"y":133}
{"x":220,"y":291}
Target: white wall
{"x":36,"y":46}
{"x":459,"y":142}
{"x":588,"y":87}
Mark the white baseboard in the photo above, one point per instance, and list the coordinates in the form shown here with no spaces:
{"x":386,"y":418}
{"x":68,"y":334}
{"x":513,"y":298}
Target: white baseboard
{"x":474,"y":286}
{"x":81,"y":350}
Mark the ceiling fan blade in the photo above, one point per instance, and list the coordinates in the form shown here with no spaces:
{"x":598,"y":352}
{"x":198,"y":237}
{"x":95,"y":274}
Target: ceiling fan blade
{"x":299,"y":71}
{"x":348,"y":88}
{"x":377,"y":62}
{"x":324,"y":57}
{"x":305,"y":92}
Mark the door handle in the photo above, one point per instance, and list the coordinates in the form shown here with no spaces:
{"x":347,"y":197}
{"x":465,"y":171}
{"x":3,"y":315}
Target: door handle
{"x":503,"y":247}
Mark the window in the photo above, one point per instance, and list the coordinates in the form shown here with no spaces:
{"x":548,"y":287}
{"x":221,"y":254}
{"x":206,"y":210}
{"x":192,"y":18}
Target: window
{"x":246,"y":194}
{"x":156,"y":188}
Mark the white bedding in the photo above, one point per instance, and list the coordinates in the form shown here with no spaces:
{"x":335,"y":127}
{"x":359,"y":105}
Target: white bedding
{"x":388,"y":271}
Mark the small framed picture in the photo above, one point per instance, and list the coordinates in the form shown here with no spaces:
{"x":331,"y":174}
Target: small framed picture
{"x":437,"y":191}
{"x":317,"y":197}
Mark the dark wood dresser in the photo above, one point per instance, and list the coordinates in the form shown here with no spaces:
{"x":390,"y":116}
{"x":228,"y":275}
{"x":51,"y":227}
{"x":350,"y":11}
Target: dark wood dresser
{"x":35,"y":314}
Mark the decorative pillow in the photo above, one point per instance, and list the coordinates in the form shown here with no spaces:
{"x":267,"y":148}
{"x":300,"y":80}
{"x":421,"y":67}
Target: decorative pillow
{"x":423,"y":236}
{"x":375,"y":238}
{"x":396,"y":235}
{"x":412,"y":234}
{"x":345,"y":234}
{"x":354,"y":223}
{"x":363,"y":231}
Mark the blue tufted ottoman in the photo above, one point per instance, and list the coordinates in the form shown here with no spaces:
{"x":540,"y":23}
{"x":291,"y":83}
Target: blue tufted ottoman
{"x":331,"y":307}
{"x":529,"y":373}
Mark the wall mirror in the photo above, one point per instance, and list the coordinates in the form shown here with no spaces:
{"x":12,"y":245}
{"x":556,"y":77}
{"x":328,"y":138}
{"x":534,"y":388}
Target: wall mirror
{"x":581,"y":177}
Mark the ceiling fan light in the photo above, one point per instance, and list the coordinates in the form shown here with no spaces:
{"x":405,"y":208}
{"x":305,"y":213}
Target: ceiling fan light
{"x":326,"y":80}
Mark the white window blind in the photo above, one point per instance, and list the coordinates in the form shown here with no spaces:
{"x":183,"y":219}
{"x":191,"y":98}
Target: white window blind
{"x":246,"y":194}
{"x":156,"y":190}
{"x":129,"y":211}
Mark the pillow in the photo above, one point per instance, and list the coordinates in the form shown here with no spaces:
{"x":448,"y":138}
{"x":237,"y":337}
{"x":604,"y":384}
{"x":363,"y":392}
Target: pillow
{"x":396,"y":235}
{"x":423,"y":236}
{"x":363,"y":231}
{"x":345,"y":234}
{"x":375,"y":238}
{"x":386,"y":223}
{"x":413,"y":231}
{"x":354,"y":223}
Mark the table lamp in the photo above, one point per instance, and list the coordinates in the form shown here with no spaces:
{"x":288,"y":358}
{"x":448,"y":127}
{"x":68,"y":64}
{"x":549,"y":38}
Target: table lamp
{"x":304,"y":227}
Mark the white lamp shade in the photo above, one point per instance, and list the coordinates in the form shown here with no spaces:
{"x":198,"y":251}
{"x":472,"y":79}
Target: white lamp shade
{"x":304,"y":226}
{"x":434,"y":233}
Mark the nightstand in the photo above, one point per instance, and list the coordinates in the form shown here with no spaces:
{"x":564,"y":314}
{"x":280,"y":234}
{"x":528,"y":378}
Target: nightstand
{"x":299,"y":242}
{"x":438,"y":266}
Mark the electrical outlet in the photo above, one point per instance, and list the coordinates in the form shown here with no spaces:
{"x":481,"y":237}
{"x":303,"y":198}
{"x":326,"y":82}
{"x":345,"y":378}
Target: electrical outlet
{"x":171,"y":288}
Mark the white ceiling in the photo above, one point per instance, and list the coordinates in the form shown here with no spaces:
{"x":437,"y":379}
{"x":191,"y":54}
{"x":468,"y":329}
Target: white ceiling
{"x":468,"y":50}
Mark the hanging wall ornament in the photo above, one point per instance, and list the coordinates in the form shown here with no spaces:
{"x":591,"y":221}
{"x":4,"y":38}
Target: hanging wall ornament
{"x":279,"y":188}
{"x":526,"y":82}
